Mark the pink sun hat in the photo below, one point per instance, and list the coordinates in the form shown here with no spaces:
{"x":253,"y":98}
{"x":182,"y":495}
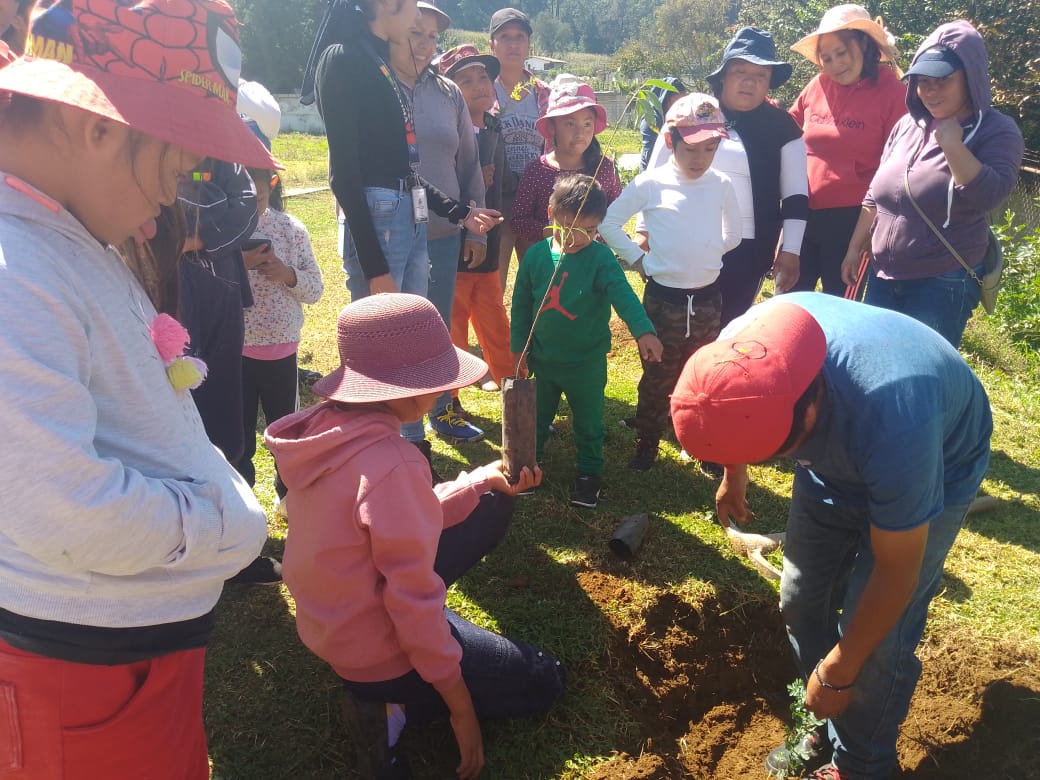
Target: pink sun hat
{"x":166,"y":68}
{"x":566,"y":99}
{"x":848,"y":17}
{"x":395,"y":345}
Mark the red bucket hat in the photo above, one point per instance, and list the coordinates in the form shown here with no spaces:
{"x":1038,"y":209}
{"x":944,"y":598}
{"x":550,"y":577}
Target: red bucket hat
{"x":166,"y":68}
{"x":395,"y":345}
{"x":566,"y":99}
{"x":463,"y":56}
{"x":734,"y":401}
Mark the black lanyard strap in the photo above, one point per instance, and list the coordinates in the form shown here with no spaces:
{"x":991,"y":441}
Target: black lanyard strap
{"x":406,"y":111}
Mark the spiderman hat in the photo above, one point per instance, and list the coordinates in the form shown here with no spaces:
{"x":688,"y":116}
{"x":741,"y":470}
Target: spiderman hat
{"x":166,"y":68}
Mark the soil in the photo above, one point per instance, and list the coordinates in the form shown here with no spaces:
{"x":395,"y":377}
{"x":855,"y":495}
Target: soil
{"x":709,"y":685}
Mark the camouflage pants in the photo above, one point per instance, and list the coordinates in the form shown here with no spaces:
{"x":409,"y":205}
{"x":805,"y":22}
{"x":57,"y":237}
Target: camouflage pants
{"x":699,"y":314}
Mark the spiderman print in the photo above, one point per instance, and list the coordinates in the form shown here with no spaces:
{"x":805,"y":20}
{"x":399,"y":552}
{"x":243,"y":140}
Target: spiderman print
{"x":194,"y":42}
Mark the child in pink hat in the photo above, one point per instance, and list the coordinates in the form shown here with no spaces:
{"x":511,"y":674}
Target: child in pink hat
{"x":124,"y":520}
{"x":570,"y":125}
{"x":373,"y":546}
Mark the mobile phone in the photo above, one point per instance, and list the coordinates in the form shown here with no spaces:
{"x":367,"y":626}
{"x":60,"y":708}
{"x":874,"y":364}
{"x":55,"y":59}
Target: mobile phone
{"x":255,"y":243}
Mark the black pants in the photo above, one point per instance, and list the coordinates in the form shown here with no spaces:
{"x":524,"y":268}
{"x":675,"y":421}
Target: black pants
{"x":827,"y":235}
{"x":273,"y":385}
{"x":210,"y":307}
{"x":740,"y":279}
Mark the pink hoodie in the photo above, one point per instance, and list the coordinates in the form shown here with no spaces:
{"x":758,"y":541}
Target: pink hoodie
{"x":362,"y":541}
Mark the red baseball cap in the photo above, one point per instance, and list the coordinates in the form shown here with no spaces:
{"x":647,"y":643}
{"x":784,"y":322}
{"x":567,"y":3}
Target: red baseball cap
{"x":734,"y":401}
{"x":167,"y":68}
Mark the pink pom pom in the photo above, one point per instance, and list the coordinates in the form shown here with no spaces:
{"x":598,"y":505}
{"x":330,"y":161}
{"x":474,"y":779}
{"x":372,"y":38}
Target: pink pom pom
{"x":169,"y":336}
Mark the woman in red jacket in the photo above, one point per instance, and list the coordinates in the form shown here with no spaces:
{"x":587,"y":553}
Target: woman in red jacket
{"x":846,"y":112}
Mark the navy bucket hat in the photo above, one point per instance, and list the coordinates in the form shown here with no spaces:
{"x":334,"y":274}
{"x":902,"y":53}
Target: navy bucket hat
{"x":757,"y":47}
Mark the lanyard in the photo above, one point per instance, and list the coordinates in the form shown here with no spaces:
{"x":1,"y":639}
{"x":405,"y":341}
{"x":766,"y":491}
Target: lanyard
{"x":406,"y":112}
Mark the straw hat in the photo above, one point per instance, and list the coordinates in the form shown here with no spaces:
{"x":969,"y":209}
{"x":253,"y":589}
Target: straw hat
{"x":848,"y":17}
{"x":167,"y":68}
{"x":395,"y":345}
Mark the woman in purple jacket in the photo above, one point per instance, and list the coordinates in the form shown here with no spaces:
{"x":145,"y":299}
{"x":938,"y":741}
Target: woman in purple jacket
{"x":959,"y":158}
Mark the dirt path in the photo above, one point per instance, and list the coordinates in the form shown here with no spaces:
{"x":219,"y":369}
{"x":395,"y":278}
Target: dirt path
{"x":709,"y":683}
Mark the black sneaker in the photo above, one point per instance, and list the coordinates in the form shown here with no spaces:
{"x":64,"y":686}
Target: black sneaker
{"x":307,"y":377}
{"x":646,"y":454}
{"x":712,"y":470}
{"x":811,"y":753}
{"x":262,"y":571}
{"x":628,"y":422}
{"x":586,"y":491}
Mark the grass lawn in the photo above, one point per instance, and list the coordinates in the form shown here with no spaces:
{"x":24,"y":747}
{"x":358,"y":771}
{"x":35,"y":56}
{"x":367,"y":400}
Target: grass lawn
{"x":676,"y":662}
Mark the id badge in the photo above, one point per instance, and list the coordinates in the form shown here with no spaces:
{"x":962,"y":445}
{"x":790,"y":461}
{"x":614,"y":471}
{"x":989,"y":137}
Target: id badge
{"x":420,"y":209}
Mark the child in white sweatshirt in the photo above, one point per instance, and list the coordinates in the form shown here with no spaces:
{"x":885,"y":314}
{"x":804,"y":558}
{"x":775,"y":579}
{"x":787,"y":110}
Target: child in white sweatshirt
{"x":692,"y":220}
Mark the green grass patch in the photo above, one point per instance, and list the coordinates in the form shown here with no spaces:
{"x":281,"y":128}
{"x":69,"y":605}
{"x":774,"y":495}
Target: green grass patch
{"x":272,"y":709}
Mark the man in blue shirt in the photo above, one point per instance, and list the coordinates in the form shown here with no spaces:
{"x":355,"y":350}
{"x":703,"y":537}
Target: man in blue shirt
{"x":890,"y":431}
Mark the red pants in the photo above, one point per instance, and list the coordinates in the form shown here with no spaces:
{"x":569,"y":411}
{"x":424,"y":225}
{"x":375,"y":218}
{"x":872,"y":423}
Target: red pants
{"x":478,"y":299}
{"x":70,"y":721}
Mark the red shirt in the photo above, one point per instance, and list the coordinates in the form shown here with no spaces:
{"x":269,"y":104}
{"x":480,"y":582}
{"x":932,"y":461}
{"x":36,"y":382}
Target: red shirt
{"x":845,"y":129}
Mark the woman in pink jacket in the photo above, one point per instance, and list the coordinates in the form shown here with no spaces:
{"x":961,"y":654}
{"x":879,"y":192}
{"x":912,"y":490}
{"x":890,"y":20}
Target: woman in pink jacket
{"x":373,"y":546}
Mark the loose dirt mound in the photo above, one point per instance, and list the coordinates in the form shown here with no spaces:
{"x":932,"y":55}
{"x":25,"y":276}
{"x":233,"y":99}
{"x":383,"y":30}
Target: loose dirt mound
{"x":708,"y":682}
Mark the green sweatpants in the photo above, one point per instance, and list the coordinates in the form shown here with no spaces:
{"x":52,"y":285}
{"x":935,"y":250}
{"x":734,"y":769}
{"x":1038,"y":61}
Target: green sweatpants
{"x":584,"y":385}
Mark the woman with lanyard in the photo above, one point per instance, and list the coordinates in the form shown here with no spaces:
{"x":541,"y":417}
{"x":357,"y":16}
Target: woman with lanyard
{"x":451,"y":163}
{"x":373,"y":154}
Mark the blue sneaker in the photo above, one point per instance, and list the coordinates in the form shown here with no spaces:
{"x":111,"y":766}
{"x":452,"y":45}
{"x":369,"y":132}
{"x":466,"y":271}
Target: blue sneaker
{"x":449,"y":424}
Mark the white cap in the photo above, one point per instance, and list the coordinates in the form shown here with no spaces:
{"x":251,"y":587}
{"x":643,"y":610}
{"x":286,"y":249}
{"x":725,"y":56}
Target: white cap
{"x":256,"y":103}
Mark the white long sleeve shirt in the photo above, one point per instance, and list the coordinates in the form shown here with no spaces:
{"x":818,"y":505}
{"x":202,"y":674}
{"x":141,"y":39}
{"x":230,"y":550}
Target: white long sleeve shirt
{"x":691,"y":223}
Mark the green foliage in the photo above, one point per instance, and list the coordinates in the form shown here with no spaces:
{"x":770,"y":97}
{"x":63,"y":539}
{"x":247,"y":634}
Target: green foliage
{"x":552,"y":36}
{"x":681,"y":40}
{"x":1018,"y":305}
{"x":276,"y":39}
{"x":803,"y":723}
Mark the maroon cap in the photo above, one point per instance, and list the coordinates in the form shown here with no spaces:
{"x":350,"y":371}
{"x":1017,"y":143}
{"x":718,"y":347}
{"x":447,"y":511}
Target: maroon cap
{"x":395,"y":345}
{"x":734,"y":401}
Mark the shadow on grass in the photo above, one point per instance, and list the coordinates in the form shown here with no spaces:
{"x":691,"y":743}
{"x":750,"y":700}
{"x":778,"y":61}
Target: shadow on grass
{"x":1013,"y":522}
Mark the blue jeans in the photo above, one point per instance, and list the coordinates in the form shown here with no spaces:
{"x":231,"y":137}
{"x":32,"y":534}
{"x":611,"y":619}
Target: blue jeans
{"x":404,"y":246}
{"x":444,"y":265}
{"x":402,"y":240}
{"x":827,"y":561}
{"x":506,"y":678}
{"x":943,"y":303}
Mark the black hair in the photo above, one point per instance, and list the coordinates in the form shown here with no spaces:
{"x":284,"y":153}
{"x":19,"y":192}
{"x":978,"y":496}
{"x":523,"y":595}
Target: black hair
{"x":275,"y":199}
{"x":801,"y":406}
{"x":869,"y":47}
{"x":578,"y":194}
{"x":155,"y":262}
{"x":590,"y":158}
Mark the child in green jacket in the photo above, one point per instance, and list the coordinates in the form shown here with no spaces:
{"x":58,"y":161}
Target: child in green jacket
{"x":569,"y":282}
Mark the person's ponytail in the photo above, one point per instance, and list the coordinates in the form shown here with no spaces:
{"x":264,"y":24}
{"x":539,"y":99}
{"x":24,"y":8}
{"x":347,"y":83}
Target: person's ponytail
{"x":591,"y":156}
{"x":343,"y":20}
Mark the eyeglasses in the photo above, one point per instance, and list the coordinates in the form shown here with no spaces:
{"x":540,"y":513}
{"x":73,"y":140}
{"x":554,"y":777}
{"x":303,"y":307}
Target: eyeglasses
{"x":567,"y":233}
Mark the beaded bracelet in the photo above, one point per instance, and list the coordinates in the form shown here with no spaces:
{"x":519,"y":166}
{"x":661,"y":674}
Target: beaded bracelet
{"x":827,"y":685}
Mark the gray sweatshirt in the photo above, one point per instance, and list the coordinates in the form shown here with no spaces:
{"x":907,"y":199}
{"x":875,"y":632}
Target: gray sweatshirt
{"x":448,"y":156}
{"x":118,"y":512}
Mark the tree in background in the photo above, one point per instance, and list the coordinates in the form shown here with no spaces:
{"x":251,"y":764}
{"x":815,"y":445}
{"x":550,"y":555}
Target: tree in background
{"x":684,"y":38}
{"x":551,"y":35}
{"x":276,"y":39}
